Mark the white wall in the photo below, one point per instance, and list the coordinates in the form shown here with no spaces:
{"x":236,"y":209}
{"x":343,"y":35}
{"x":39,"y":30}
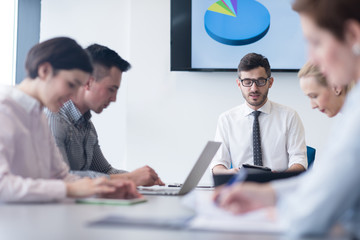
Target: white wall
{"x":8,"y":16}
{"x":94,"y":21}
{"x":162,"y":118}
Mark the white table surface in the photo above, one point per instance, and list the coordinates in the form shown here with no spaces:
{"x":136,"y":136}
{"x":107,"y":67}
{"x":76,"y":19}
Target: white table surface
{"x":69,"y":220}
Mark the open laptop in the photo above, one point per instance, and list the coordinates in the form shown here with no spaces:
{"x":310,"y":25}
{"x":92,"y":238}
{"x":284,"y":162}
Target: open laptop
{"x":194,"y":176}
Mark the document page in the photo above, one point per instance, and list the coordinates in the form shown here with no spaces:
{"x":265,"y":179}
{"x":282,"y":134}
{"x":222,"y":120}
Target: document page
{"x":210,"y":217}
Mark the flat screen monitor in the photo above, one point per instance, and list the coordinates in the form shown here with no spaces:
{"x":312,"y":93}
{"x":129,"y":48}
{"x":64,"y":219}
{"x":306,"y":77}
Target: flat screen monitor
{"x":213,"y":35}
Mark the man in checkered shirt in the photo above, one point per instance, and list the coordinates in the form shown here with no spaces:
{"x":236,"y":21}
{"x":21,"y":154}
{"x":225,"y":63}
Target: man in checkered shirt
{"x":76,"y":135}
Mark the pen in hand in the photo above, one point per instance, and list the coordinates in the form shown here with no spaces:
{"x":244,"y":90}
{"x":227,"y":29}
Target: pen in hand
{"x":239,"y":177}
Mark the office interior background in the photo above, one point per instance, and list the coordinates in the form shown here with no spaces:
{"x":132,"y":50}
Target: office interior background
{"x":161,"y":118}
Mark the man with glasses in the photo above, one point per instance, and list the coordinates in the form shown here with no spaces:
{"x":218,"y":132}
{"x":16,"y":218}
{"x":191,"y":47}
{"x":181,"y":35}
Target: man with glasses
{"x":259,"y":131}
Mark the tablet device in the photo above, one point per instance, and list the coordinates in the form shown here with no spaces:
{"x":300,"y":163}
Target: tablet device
{"x":266,"y":169}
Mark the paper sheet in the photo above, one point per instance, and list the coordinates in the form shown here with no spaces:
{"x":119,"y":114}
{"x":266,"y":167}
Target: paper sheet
{"x":211,"y":217}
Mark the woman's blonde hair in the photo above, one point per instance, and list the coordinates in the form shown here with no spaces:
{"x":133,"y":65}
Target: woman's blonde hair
{"x":310,"y":70}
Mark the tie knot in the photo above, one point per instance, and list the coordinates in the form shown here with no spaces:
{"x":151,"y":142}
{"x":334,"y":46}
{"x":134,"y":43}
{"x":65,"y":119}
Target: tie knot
{"x":256,"y":113}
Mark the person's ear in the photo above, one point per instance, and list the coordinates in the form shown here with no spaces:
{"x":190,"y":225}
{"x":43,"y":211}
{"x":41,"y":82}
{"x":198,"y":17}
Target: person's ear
{"x":45,"y":70}
{"x":89,"y":83}
{"x":238,"y":82}
{"x":352,"y":35}
{"x":337,"y":90}
{"x":271,"y":81}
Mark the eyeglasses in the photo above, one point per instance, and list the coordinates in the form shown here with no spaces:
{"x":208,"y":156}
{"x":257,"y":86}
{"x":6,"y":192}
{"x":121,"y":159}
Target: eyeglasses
{"x":248,"y":82}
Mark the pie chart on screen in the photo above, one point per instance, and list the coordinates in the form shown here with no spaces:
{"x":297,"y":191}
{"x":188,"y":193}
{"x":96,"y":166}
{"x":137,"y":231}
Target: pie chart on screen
{"x":237,"y":22}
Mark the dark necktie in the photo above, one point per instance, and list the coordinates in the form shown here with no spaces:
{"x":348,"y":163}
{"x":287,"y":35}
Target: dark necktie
{"x":257,"y":140}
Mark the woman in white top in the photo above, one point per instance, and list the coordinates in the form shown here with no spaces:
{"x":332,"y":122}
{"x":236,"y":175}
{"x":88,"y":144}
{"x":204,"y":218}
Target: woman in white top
{"x":31,"y":167}
{"x":329,"y":193}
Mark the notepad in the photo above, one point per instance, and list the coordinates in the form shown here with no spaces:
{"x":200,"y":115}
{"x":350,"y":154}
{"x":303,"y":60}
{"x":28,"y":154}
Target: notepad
{"x":110,"y":201}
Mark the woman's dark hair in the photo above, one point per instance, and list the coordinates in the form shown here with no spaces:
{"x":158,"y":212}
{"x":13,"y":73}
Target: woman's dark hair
{"x":61,"y":53}
{"x":330,"y":14}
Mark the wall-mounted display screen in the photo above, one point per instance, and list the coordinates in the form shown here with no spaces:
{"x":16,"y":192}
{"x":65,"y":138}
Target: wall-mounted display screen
{"x":215,"y":34}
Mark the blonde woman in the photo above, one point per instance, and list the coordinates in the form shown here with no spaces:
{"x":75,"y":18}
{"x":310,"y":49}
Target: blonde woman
{"x":327,"y":99}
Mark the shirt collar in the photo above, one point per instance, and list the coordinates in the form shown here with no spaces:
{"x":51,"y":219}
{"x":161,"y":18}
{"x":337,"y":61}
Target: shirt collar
{"x":266,"y":108}
{"x":27,"y":102}
{"x":74,"y":113}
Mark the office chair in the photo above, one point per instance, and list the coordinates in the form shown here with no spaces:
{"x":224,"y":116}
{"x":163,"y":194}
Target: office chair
{"x":310,"y":155}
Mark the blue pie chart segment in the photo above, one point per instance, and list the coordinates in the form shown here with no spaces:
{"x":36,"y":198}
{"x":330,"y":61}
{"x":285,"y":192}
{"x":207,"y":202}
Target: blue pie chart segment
{"x":250,"y":24}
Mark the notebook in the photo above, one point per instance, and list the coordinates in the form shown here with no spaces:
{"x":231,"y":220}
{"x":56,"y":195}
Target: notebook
{"x":194,"y":176}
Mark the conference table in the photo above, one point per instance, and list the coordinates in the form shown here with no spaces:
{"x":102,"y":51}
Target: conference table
{"x":70,"y":220}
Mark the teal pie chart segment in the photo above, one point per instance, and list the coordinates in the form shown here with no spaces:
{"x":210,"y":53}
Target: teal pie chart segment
{"x":249,"y":23}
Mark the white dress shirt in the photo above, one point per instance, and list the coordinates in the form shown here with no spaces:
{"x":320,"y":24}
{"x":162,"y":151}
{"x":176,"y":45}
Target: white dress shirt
{"x":282,"y":137}
{"x":31,"y":167}
{"x":330,"y":191}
